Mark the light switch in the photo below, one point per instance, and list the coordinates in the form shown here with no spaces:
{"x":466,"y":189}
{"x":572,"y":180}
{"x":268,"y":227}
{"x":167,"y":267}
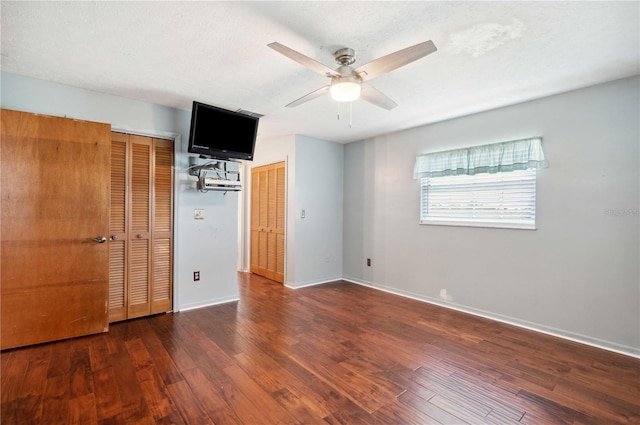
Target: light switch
{"x":198,"y":214}
{"x":302,"y":214}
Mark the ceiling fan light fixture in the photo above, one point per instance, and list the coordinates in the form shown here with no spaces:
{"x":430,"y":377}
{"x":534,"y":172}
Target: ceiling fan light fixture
{"x":345,"y":89}
{"x":346,"y":82}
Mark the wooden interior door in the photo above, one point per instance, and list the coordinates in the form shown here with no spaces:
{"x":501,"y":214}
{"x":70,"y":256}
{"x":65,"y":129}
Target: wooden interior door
{"x":55,"y":202}
{"x":268,"y":221}
{"x":141,"y":227}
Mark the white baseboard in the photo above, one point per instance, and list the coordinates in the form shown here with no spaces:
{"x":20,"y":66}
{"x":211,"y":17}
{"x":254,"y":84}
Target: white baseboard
{"x":311,"y":283}
{"x":571,"y":336}
{"x":207,"y":303}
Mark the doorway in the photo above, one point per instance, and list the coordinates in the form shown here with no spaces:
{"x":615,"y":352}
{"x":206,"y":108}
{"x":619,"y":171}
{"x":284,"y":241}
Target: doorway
{"x":268,"y":220}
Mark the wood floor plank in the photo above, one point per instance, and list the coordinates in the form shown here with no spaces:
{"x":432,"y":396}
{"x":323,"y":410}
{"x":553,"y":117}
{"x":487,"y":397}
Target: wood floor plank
{"x":82,"y":410}
{"x":81,"y":380}
{"x":261,"y":400}
{"x":35,"y":378}
{"x":211,"y":398}
{"x":473,"y":398}
{"x":54,"y":407}
{"x":396,"y":413}
{"x":153,"y":389}
{"x":188,"y":405}
{"x":108,"y":402}
{"x":336,"y":353}
{"x":437,"y":414}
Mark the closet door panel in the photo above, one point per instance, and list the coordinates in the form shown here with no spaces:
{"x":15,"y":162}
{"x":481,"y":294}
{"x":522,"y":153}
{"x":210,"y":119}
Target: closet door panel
{"x":140,"y":185}
{"x":279,"y":269}
{"x":162,"y":276}
{"x":162,"y":236}
{"x":118,"y":229}
{"x":139,"y":227}
{"x":268,"y":221}
{"x":142,"y":204}
{"x":255,"y":214}
{"x":117,"y":281}
{"x":280,"y":220}
{"x":138,"y":298}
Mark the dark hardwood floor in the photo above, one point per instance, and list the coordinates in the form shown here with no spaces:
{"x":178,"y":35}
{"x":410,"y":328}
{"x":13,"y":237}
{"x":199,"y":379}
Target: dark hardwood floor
{"x":334,"y":353}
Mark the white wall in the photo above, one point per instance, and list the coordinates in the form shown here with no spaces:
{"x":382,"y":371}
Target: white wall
{"x":319,"y":192}
{"x":208,"y":246}
{"x":314,"y":172}
{"x":576,"y":276}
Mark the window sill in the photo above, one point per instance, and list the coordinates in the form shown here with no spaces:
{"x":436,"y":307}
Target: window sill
{"x":515,"y":226}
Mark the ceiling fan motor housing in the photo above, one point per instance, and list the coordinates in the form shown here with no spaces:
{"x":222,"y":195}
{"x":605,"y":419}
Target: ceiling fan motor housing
{"x":345,"y":56}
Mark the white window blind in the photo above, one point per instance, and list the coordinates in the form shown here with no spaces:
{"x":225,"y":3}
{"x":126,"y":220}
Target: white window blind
{"x":503,"y":199}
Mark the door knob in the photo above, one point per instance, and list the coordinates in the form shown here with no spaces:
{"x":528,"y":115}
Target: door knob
{"x":100,"y":239}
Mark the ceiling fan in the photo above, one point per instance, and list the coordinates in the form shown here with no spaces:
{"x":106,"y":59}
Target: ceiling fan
{"x":348,"y":83}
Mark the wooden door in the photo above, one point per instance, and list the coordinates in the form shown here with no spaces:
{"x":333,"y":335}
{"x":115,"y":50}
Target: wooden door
{"x":139,"y":234}
{"x":268,"y":221}
{"x":161,"y":284}
{"x":55,"y":201}
{"x":118,"y":239}
{"x":141,"y":227}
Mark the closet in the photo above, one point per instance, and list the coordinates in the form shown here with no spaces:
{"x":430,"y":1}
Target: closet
{"x":268,"y":221}
{"x":140,"y":226}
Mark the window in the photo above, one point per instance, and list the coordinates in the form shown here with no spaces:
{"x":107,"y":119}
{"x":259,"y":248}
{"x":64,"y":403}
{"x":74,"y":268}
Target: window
{"x":489,"y":186}
{"x":504,"y":199}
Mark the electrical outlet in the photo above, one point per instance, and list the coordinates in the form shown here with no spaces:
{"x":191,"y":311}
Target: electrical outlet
{"x":196,"y":276}
{"x":368,"y":262}
{"x":198,"y":214}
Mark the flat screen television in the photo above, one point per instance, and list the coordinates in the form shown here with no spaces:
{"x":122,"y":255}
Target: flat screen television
{"x":222,"y":134}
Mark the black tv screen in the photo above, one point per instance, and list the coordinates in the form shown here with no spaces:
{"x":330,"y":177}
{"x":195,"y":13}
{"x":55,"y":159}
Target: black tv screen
{"x":222,"y":134}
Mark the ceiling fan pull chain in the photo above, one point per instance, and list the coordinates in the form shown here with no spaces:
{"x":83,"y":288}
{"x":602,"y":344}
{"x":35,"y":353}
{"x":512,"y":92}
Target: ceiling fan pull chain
{"x":350,"y":113}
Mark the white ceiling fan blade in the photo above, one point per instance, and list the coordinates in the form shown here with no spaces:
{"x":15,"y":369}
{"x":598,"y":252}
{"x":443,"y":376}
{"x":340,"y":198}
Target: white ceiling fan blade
{"x":376,"y":97}
{"x":395,"y":60}
{"x":309,"y":96}
{"x":303,"y":60}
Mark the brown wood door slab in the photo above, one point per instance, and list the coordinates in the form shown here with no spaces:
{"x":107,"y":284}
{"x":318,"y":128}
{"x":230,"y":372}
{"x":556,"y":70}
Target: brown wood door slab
{"x":55,"y":201}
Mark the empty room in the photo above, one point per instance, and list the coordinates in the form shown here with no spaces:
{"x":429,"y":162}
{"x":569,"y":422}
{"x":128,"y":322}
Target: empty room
{"x":320,"y":212}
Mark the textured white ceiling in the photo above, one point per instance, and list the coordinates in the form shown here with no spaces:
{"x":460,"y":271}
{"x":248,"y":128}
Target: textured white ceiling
{"x":490,"y":54}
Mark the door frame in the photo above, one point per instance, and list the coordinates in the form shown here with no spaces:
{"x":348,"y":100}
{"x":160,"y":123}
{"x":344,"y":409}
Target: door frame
{"x":177,"y":151}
